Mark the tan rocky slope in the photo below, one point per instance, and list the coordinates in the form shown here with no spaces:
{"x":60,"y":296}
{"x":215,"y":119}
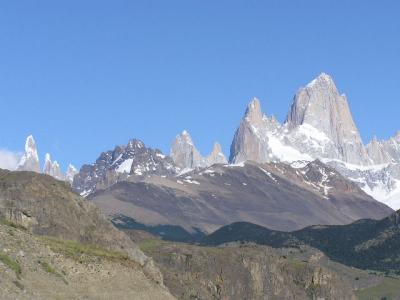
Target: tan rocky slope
{"x":33,"y":267}
{"x":48,"y":207}
{"x":248,"y":271}
{"x":278,"y":196}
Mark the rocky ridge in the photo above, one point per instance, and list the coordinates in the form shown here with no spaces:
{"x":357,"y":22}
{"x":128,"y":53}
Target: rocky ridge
{"x":134,"y":161}
{"x":30,"y":162}
{"x":319,"y":125}
{"x":276,"y":195}
{"x":186,"y":156}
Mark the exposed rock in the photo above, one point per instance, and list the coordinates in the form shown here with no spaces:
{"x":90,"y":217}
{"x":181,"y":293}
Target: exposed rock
{"x":30,"y":159}
{"x":184,"y":153}
{"x":134,"y":160}
{"x":216,"y":156}
{"x":275,"y":195}
{"x":46,"y":269}
{"x":52,"y":168}
{"x":49,"y":207}
{"x":320,"y":105}
{"x":248,"y":272}
{"x":71,"y":172}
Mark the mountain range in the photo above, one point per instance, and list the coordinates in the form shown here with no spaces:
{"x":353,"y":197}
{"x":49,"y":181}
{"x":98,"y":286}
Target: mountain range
{"x":30,"y":162}
{"x":365,"y":244}
{"x":319,"y":125}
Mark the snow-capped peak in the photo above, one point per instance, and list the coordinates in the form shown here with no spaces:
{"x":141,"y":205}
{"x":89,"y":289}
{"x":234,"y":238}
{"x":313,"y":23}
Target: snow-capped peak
{"x":52,"y":168}
{"x":71,"y":172}
{"x":30,"y":160}
{"x":253,"y":112}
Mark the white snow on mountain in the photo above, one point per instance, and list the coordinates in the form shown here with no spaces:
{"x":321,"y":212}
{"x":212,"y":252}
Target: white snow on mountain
{"x":320,"y":126}
{"x":30,"y":159}
{"x":30,"y":162}
{"x":70,"y":174}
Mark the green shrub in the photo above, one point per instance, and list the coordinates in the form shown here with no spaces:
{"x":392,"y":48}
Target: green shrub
{"x":12,"y":264}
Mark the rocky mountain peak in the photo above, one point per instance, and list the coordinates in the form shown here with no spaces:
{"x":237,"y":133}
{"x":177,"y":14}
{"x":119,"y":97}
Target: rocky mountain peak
{"x":216,"y":156}
{"x":323,"y":80}
{"x":71,"y":172}
{"x":30,"y":159}
{"x":320,"y":105}
{"x":253,"y":112}
{"x":134,"y":160}
{"x":52,"y":168}
{"x":47,"y":164}
{"x":184,"y":152}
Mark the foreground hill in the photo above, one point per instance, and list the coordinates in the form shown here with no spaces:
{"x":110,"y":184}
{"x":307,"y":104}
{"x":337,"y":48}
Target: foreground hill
{"x":47,"y":207}
{"x":365,"y":244}
{"x":40,"y":268}
{"x":249,"y":271}
{"x":278,"y":196}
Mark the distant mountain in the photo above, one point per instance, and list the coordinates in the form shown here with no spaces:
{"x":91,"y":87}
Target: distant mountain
{"x":365,"y":244}
{"x":30,"y":159}
{"x":30,"y":162}
{"x":275,"y":195}
{"x":52,"y":168}
{"x":49,"y":207}
{"x":319,"y":125}
{"x":133,"y":161}
{"x":185,"y":154}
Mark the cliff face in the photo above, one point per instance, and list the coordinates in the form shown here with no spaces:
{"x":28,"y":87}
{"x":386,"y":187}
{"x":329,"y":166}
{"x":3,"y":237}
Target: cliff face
{"x":39,"y":268}
{"x":250,"y":272}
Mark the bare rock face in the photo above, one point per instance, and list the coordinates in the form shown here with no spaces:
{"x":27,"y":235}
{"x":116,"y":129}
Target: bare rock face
{"x":71,"y":172}
{"x":320,"y":105}
{"x":319,"y":125}
{"x":216,"y":156}
{"x":49,"y":207}
{"x":186,"y":156}
{"x":52,"y":168}
{"x":30,"y":159}
{"x":184,"y":152}
{"x":244,"y":272}
{"x":134,"y":160}
{"x":247,"y":145}
{"x":382,"y":152}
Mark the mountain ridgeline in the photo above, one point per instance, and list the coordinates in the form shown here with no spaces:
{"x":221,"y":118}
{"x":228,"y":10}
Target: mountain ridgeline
{"x":319,"y":125}
{"x":365,"y":244}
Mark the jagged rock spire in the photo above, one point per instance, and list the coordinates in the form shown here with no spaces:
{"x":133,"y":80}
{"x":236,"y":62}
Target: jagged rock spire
{"x":320,"y":105}
{"x":253,"y":112}
{"x":184,"y":152}
{"x":30,"y":159}
{"x":216,"y":156}
{"x":52,"y":168}
{"x":71,"y":172}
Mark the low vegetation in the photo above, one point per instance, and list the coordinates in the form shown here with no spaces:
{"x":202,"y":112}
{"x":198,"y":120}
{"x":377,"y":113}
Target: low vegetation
{"x":388,"y":289}
{"x":12,"y":224}
{"x":82,"y":252}
{"x":12,"y":264}
{"x":49,"y":269}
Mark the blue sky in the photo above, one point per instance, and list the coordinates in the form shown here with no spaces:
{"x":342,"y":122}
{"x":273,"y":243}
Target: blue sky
{"x":83,"y":76}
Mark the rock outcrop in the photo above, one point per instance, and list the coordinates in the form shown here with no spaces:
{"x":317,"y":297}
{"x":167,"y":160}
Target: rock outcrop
{"x":30,"y":159}
{"x":52,"y":168}
{"x":134,"y":160}
{"x":216,"y":156}
{"x":320,"y":126}
{"x":275,"y":195}
{"x":185,"y":154}
{"x":71,"y":172}
{"x":321,"y":106}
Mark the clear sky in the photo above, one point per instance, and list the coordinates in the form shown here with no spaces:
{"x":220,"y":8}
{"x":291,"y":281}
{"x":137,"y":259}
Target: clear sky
{"x":83,"y":76}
